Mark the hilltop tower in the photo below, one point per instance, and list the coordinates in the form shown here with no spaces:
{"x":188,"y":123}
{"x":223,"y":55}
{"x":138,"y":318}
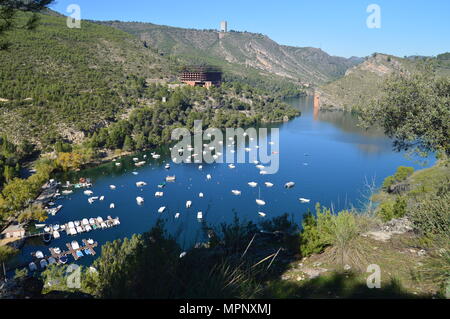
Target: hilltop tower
{"x":224,"y":26}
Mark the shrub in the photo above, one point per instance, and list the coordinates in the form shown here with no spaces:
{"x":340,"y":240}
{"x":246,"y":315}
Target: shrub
{"x":392,"y":209}
{"x":402,"y":173}
{"x":431,"y":215}
{"x":327,"y":229}
{"x":311,"y":240}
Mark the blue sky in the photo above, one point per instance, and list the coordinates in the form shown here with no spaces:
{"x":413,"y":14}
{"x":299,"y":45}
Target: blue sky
{"x":408,"y":27}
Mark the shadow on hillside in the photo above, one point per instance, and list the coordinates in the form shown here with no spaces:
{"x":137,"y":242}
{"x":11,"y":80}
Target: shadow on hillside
{"x":337,"y":285}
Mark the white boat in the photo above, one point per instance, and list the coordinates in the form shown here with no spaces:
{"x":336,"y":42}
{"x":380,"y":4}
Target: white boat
{"x":268,"y":184}
{"x":67,"y":192}
{"x":91,"y":221}
{"x":139,"y":200}
{"x":88,"y":192}
{"x":208,"y":177}
{"x":304,"y":200}
{"x":135,"y":159}
{"x":141,"y":184}
{"x":88,"y":228}
{"x":43,"y":263}
{"x":170,"y":178}
{"x":167,"y":166}
{"x":47,"y":228}
{"x":177,"y":215}
{"x":260,"y":166}
{"x":72,"y":231}
{"x":289,"y":185}
{"x":162,"y":209}
{"x":38,"y":254}
{"x":188,"y":204}
{"x":80,"y":229}
{"x":56,"y":234}
{"x":102,"y":197}
{"x":183,"y":254}
{"x":113,"y":187}
{"x":90,"y":200}
{"x":55,"y":227}
{"x":75,"y":245}
{"x":200,"y":167}
{"x":135,"y":173}
{"x":71,"y":224}
{"x":260,"y":202}
{"x":112,"y":206}
{"x":142,"y":163}
{"x":32,"y":266}
{"x":85,"y":221}
{"x":200,"y":195}
{"x":118,"y":164}
{"x":252,"y":184}
{"x":236,"y":192}
{"x":199,"y":215}
{"x":156,"y":156}
{"x":39,"y":225}
{"x":159,"y":194}
{"x":263,"y":172}
{"x":262,"y":214}
{"x":231,"y":166}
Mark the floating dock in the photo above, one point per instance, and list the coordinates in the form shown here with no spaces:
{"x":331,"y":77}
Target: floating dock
{"x":72,"y":251}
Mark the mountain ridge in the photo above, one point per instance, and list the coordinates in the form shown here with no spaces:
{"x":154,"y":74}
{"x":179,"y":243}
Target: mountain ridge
{"x":234,"y":50}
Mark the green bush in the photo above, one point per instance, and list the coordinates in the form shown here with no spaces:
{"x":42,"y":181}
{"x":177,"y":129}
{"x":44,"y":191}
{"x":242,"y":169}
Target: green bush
{"x":327,"y":229}
{"x":431,"y":215}
{"x":402,"y":173}
{"x":311,"y":240}
{"x":392,"y":209}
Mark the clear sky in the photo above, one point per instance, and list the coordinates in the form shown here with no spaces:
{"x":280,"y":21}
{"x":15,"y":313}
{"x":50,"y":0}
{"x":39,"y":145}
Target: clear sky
{"x":408,"y":27}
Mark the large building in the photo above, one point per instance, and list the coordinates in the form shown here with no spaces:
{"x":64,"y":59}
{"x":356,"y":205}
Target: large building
{"x":202,"y":76}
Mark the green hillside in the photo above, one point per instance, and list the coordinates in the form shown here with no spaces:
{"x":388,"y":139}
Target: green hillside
{"x":363,"y":82}
{"x":57,"y":80}
{"x":61,"y":84}
{"x":242,"y":54}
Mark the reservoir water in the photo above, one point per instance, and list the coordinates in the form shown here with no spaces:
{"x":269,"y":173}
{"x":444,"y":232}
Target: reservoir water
{"x":325,"y":153}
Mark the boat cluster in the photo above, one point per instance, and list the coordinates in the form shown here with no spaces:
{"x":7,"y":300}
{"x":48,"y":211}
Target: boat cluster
{"x":87,"y":225}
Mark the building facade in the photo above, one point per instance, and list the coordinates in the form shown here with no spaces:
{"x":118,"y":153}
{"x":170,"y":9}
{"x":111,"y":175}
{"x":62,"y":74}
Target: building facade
{"x":202,"y":77}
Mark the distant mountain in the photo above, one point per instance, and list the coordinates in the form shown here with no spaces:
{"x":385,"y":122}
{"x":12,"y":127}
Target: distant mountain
{"x":363,"y":82}
{"x":240,"y":53}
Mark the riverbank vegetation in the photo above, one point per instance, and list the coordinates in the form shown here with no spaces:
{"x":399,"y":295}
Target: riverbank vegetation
{"x":18,"y":193}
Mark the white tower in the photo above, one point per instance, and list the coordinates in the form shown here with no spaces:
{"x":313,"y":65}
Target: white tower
{"x":223,"y":26}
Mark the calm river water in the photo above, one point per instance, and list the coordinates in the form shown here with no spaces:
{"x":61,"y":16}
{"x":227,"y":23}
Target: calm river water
{"x":325,"y":154}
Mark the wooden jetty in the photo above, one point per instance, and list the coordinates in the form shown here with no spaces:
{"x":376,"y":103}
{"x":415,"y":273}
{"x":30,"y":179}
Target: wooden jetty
{"x":73,"y":252}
